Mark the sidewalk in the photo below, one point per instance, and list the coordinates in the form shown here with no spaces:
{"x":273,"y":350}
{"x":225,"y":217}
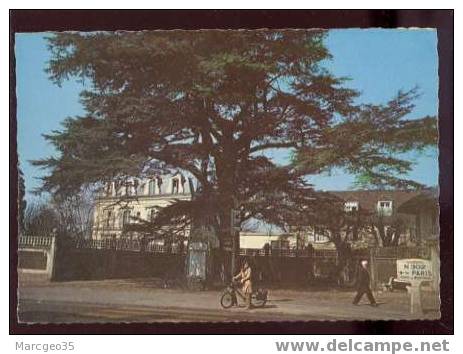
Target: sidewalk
{"x":296,"y":304}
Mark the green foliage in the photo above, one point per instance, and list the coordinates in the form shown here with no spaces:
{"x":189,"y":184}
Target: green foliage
{"x":370,"y":143}
{"x":210,"y":103}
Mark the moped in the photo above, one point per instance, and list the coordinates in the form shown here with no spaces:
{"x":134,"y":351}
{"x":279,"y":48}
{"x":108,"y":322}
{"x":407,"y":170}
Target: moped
{"x":230,"y":296}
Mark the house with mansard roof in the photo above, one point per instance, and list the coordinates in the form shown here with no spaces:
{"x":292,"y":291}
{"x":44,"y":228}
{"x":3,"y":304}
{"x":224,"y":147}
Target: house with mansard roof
{"x":120,"y":205}
{"x":143,"y":197}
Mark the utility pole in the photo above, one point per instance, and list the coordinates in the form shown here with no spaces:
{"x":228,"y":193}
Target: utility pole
{"x":235,"y":227}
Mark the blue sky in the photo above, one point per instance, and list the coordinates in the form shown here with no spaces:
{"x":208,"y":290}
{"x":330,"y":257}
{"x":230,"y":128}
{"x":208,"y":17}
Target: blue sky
{"x":378,"y":61}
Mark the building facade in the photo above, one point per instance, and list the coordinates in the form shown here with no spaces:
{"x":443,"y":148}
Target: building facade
{"x":384,"y":209}
{"x":139,"y":199}
{"x":424,"y":211}
{"x":416,"y":211}
{"x":118,"y":206}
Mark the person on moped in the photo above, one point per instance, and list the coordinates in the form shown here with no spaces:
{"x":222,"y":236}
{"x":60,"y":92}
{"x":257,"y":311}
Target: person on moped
{"x":244,"y":276}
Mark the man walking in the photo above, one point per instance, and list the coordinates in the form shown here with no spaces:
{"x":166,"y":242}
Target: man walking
{"x":363,"y":285}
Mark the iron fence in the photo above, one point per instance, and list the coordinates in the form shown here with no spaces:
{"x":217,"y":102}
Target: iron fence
{"x":380,"y":253}
{"x":128,"y":245}
{"x":402,"y":252}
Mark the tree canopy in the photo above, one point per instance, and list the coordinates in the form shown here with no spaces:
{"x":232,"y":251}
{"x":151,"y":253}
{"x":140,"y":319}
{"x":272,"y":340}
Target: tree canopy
{"x":212,"y":103}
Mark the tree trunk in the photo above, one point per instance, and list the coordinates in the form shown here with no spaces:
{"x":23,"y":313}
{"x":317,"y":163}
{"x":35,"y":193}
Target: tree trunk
{"x":344,"y":256}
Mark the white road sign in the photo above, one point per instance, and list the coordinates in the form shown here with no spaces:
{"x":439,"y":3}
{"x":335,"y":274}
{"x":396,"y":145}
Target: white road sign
{"x":414,"y":270}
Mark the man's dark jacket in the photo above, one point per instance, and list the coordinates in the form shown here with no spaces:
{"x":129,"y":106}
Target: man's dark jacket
{"x":363,"y":279}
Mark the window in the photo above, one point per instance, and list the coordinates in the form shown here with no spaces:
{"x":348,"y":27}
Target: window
{"x":320,"y":235}
{"x":141,"y":189}
{"x":385,"y":207}
{"x":152,"y":187}
{"x":135,"y":185}
{"x":128,"y":188}
{"x":159,"y":183}
{"x":126,"y":217}
{"x":108,"y":218}
{"x":109,"y":189}
{"x":152,"y":214}
{"x":351,"y":206}
{"x":118,"y":188}
{"x":175,"y":186}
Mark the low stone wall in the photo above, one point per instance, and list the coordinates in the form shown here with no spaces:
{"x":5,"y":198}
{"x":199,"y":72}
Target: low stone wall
{"x":36,"y":254}
{"x":32,"y":260}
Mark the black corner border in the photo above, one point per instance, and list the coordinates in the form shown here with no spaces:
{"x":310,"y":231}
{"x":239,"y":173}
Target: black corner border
{"x":91,"y":20}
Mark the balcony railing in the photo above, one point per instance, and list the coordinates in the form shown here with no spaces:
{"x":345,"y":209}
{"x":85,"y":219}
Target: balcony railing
{"x":43,"y":242}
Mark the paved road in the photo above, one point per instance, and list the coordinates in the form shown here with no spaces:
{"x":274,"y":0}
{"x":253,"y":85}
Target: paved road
{"x":144,"y":301}
{"x":63,"y":312}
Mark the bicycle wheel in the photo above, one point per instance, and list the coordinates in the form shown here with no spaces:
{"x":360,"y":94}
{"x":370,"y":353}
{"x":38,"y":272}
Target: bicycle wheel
{"x":259,"y":299}
{"x":226,"y":300}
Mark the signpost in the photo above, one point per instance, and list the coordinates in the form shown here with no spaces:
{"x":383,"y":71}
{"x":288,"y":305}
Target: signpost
{"x":197,"y":262}
{"x":414,"y":271}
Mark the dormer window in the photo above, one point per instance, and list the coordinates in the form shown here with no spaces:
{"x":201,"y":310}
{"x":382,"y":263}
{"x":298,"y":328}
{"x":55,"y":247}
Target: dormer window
{"x":141,"y":188}
{"x":135,"y":185}
{"x":385,"y":207}
{"x":127,"y":188}
{"x":159,"y":184}
{"x":152,"y":187}
{"x":175,"y":186}
{"x":108,"y":189}
{"x":350,"y":207}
